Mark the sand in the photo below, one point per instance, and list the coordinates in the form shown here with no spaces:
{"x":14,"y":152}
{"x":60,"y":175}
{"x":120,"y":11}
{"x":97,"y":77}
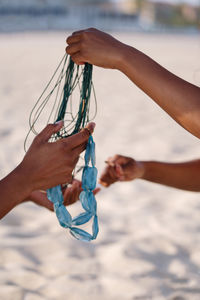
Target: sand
{"x":149,"y":243}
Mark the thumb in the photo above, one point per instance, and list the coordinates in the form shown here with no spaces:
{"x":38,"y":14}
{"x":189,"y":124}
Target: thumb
{"x":49,"y":130}
{"x":40,"y":198}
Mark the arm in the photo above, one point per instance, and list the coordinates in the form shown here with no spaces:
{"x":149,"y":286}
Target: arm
{"x":179,"y":98}
{"x":45,"y":165}
{"x":183,"y":176}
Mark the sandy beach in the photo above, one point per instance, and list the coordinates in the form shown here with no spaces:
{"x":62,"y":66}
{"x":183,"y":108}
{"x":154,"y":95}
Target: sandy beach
{"x":148,"y":246}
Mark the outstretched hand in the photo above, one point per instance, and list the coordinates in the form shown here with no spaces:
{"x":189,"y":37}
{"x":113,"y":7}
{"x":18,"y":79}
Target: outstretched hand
{"x":121,"y":168}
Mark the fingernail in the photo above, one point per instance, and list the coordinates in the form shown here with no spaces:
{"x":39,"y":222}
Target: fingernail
{"x":91,"y":126}
{"x":59,"y":122}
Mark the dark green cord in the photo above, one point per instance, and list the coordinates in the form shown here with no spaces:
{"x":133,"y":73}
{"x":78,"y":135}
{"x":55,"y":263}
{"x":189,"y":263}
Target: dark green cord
{"x":59,"y":100}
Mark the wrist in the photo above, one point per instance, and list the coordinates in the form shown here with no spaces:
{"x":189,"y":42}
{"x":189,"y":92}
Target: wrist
{"x":126,"y":54}
{"x":23,"y":181}
{"x":140,"y":169}
{"x":149,"y":170}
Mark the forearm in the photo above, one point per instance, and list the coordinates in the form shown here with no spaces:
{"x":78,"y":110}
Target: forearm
{"x":14,"y":189}
{"x":185,"y":176}
{"x":179,"y":98}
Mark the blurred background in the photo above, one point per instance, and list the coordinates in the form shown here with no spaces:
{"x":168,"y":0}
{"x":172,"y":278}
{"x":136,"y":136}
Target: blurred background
{"x":129,"y":15}
{"x":149,"y":243}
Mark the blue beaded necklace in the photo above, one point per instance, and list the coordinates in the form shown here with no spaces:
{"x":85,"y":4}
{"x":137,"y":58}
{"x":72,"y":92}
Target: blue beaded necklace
{"x":61,"y":109}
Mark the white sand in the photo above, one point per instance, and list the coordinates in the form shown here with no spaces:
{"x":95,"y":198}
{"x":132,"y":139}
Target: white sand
{"x":149,"y":242}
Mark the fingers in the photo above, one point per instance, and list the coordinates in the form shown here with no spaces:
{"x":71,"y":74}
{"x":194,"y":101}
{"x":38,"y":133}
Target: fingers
{"x":73,"y":48}
{"x":76,"y":35}
{"x":40,"y":198}
{"x":96,"y":191}
{"x":81,"y":137}
{"x":119,"y":162}
{"x":109,"y":176}
{"x":119,"y":170}
{"x":117,"y":159}
{"x":47,"y":204}
{"x":114,"y":171}
{"x":77,"y":59}
{"x":71,"y":194}
{"x":48,"y":131}
{"x":78,"y":44}
{"x":74,"y":38}
{"x":78,"y":31}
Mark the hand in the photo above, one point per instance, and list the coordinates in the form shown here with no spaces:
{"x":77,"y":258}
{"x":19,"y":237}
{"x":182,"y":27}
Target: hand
{"x":48,"y":164}
{"x":70,"y":195}
{"x":121,"y":168}
{"x":95,"y":47}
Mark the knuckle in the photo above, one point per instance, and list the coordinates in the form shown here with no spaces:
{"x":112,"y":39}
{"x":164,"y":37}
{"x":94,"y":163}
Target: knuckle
{"x":68,"y":40}
{"x":75,"y":58}
{"x":117,"y":156}
{"x":82,"y":45}
{"x":37,"y":137}
{"x":75,"y":32}
{"x":84,"y":34}
{"x":67,"y":49}
{"x":50,"y":126}
{"x":82,"y":54}
{"x":64,"y":146}
{"x":85,"y":133}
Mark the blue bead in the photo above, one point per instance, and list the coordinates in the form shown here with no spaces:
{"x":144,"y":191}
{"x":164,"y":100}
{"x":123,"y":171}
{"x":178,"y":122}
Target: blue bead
{"x":55,"y":194}
{"x":80,"y":234}
{"x":92,"y":203}
{"x":95,"y":227}
{"x":63,"y":216}
{"x":89,"y":178}
{"x":82,"y":218}
{"x":87,"y":153}
{"x":84,"y":200}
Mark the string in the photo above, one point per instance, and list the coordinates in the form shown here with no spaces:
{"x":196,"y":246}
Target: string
{"x":52,"y":105}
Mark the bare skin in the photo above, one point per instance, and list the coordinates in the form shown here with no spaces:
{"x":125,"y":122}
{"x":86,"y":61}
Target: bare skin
{"x":179,"y":98}
{"x":183,"y":176}
{"x":45,"y":165}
